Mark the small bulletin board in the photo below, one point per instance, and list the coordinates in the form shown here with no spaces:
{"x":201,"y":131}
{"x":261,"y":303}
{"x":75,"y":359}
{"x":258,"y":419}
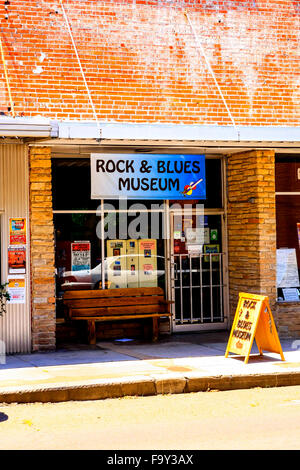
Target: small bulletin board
{"x":253,"y":319}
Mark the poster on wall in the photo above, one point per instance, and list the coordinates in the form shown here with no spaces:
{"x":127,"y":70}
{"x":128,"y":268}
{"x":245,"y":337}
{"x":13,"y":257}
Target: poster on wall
{"x":214,"y":235}
{"x":287,"y":268}
{"x":147,"y":248}
{"x":148,"y":263}
{"x":132,"y":263}
{"x":16,"y":289}
{"x":17,"y":260}
{"x":206,"y":236}
{"x":115,"y":266}
{"x":17,"y":231}
{"x":81,"y":255}
{"x":147,"y":176}
{"x":148,"y":269}
{"x":194,"y":240}
{"x":194,"y":236}
{"x":194,"y":250}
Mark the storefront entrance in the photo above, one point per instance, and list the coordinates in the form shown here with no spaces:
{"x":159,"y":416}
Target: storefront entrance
{"x":179,"y":245}
{"x":197,"y":273}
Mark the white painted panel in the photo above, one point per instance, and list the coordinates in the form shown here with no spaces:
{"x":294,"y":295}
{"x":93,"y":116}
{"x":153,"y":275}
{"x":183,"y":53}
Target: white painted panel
{"x":15,"y":325}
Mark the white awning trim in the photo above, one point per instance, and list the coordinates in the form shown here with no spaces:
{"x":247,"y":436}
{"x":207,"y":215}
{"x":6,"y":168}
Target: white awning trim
{"x":177,"y":132}
{"x":27,"y":127}
{"x":200,"y":134}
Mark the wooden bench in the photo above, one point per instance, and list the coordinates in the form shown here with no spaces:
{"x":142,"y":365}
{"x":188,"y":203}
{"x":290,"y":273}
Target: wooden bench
{"x":116,"y":304}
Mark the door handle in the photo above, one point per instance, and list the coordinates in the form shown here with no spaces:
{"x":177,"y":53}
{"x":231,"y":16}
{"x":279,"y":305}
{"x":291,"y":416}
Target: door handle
{"x":175,"y":271}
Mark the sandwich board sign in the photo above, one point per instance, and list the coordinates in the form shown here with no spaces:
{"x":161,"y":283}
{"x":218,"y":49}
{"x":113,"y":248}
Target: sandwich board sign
{"x":253,"y":319}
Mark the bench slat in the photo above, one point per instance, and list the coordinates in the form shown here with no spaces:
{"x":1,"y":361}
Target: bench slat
{"x":131,"y":310}
{"x":100,"y":293}
{"x":119,"y":301}
{"x":123,"y":317}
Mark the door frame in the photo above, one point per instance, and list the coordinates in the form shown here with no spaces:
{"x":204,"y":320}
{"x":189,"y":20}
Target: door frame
{"x":169,"y":250}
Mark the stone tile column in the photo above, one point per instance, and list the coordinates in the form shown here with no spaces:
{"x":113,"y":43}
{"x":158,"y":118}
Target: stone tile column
{"x":42,"y":250}
{"x":251,"y":225}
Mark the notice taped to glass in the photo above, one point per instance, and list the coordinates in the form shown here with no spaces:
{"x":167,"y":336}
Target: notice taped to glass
{"x":81,"y":255}
{"x":287,"y":268}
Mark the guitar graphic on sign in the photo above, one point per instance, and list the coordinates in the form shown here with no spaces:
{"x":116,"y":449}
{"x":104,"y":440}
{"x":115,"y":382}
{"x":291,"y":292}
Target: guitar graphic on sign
{"x":189,"y":188}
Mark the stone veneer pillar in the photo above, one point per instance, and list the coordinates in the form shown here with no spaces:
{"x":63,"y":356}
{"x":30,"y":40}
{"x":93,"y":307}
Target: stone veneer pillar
{"x":251,"y":225}
{"x":42,"y":250}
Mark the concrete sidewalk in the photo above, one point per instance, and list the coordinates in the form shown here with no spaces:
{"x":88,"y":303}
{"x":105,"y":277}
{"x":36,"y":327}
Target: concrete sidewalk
{"x":180,"y":363}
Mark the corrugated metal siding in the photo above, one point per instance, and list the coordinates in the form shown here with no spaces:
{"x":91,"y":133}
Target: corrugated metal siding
{"x":15,"y":325}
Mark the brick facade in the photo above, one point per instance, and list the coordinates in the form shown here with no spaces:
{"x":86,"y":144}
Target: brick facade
{"x":142,"y":64}
{"x":42,"y":249}
{"x":288,"y":319}
{"x":251,"y":225}
{"x":252,"y":236}
{"x":251,"y":245}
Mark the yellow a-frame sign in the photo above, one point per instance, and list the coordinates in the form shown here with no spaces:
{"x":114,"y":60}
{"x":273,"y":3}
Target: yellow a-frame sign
{"x":253,"y":319}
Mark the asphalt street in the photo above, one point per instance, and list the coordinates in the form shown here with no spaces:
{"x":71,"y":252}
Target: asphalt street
{"x":258,"y":418}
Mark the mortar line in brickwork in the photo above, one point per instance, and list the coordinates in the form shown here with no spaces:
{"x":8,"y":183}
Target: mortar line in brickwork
{"x":81,"y":69}
{"x":198,"y":43}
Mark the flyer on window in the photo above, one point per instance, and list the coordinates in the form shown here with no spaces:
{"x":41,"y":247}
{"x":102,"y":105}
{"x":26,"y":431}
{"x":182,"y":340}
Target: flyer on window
{"x":81,"y":256}
{"x":287,"y":268}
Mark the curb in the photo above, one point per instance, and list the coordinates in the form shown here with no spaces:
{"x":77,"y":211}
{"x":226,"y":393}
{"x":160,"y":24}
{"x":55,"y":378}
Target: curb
{"x":147,"y":386}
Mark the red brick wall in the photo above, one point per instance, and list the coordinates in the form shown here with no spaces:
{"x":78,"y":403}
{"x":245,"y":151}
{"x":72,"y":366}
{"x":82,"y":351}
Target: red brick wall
{"x":142,"y":65}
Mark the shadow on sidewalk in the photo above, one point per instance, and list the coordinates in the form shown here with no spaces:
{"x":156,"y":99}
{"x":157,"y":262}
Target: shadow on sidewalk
{"x":176,"y":346}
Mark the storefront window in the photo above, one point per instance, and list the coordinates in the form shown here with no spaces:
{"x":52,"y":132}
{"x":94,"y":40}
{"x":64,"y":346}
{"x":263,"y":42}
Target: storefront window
{"x":78,"y":253}
{"x":288,"y":227}
{"x":72,"y":184}
{"x":127,"y":262}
